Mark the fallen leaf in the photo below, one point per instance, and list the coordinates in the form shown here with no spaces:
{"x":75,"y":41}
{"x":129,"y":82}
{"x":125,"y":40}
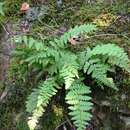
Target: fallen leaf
{"x":72,"y":41}
{"x":24,"y":7}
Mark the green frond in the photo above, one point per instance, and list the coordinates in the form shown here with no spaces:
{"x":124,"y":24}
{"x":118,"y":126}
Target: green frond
{"x":100,"y":60}
{"x":69,"y":73}
{"x":80,"y":104}
{"x":30,"y":42}
{"x":115,"y":55}
{"x":83,"y":57}
{"x":68,"y":68}
{"x":100,"y":74}
{"x":39,"y":99}
{"x":67,"y":57}
{"x":93,"y":64}
{"x":99,"y":71}
{"x":43,"y":57}
{"x":76,"y":31}
{"x":33,"y":120}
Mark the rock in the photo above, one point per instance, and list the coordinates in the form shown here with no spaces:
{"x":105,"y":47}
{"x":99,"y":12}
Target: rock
{"x":7,"y":93}
{"x":36,"y":13}
{"x":6,"y":48}
{"x":59,"y":4}
{"x":32,"y":14}
{"x":126,"y":121}
{"x":123,"y":97}
{"x":105,"y":103}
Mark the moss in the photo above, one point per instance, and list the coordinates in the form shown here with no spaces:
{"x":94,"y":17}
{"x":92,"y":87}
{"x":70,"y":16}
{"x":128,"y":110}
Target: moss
{"x":13,"y":6}
{"x":53,"y":118}
{"x":11,"y":10}
{"x":105,"y":19}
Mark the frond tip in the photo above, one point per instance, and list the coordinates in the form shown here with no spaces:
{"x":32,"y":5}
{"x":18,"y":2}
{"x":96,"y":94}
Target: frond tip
{"x":80,"y":105}
{"x":39,"y":99}
{"x":69,"y":73}
{"x":76,"y":31}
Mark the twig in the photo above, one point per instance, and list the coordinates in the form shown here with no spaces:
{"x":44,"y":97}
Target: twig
{"x":40,"y":35}
{"x":5,"y":29}
{"x":64,"y":127}
{"x":60,"y":125}
{"x":50,"y":27}
{"x":107,"y":34}
{"x":69,"y":122}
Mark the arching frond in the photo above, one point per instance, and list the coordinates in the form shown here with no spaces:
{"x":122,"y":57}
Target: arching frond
{"x":39,"y":99}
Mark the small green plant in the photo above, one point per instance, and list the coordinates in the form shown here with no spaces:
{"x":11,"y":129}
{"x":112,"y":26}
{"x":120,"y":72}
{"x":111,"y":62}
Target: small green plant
{"x":22,"y":125}
{"x":2,"y":11}
{"x":65,"y":67}
{"x":2,"y":8}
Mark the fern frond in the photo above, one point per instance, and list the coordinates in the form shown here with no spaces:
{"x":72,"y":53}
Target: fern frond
{"x":69,"y":73}
{"x":39,"y":99}
{"x":93,"y":64}
{"x":115,"y":55}
{"x":99,"y":60}
{"x":80,"y":104}
{"x":33,"y":120}
{"x":83,"y":58}
{"x":30,"y":42}
{"x":76,"y":31}
{"x":99,"y":72}
{"x":41,"y":57}
{"x":68,"y":68}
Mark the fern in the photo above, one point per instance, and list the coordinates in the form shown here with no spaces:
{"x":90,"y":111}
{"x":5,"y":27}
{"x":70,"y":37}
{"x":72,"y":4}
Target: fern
{"x":100,"y":60}
{"x":58,"y":60}
{"x":80,"y":104}
{"x":43,"y":57}
{"x":39,"y":99}
{"x":30,"y":42}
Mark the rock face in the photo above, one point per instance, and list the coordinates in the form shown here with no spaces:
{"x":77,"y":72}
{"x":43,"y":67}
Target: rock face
{"x":6,"y":48}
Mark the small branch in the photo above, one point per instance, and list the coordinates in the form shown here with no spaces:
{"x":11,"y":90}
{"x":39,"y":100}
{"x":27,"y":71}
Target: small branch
{"x":51,"y":28}
{"x":69,"y":122}
{"x":5,"y":29}
{"x":60,"y":125}
{"x":101,"y":35}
